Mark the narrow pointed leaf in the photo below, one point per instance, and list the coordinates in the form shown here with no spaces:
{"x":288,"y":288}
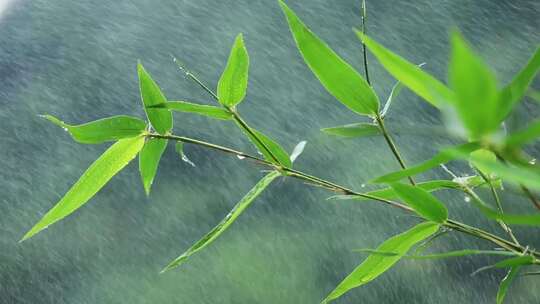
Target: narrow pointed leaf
{"x":450,"y":254}
{"x":354,"y":130}
{"x":227,"y":221}
{"x":102,"y":130}
{"x":233,"y":83}
{"x":430,"y":186}
{"x":515,"y":91}
{"x":336,"y":75}
{"x":297,"y":151}
{"x":425,"y":204}
{"x":149,"y":158}
{"x":411,"y":75}
{"x":515,"y":261}
{"x":475,"y":87}
{"x":93,"y":179}
{"x":161,"y":119}
{"x":396,"y":89}
{"x":188,"y":107}
{"x":179,"y":147}
{"x":442,"y":157}
{"x":375,"y":265}
{"x":269,"y":148}
{"x":506,"y":282}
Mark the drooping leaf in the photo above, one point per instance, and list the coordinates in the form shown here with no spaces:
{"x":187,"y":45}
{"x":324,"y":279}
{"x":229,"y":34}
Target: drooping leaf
{"x":102,"y":130}
{"x":376,"y":265}
{"x":297,"y":151}
{"x":93,"y":179}
{"x":442,"y":157}
{"x":232,"y":85}
{"x":449,"y":254}
{"x":524,"y":136}
{"x":475,"y":87}
{"x":506,"y":282}
{"x":515,"y":90}
{"x":149,"y":158}
{"x":268,"y":147}
{"x":354,"y":130}
{"x":425,"y":204}
{"x":226,"y":222}
{"x":179,"y":147}
{"x":420,"y":82}
{"x":188,"y":107}
{"x":161,"y":119}
{"x":336,"y":75}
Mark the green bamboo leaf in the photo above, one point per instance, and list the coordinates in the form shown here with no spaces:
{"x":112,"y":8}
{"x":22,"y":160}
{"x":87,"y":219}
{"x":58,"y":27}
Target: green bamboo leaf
{"x":161,"y":119}
{"x":188,"y":107}
{"x":354,"y":130}
{"x":226,"y":222}
{"x":93,"y":179}
{"x":149,"y":158}
{"x":425,"y":204}
{"x":232,"y":85}
{"x":271,"y":147}
{"x":430,"y":186}
{"x":505,"y":283}
{"x":449,"y":254}
{"x":524,"y":136}
{"x":475,"y":87}
{"x":376,"y":265}
{"x":514,"y":91}
{"x":442,"y":157}
{"x":420,"y":82}
{"x":102,"y":130}
{"x":514,"y":174}
{"x":336,"y":75}
{"x":179,"y":147}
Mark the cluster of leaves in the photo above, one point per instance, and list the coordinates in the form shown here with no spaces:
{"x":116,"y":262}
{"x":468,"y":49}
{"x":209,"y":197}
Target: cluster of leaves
{"x":472,"y":102}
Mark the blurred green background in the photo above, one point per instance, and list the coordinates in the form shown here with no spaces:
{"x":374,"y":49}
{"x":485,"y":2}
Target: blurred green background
{"x":76,"y":60}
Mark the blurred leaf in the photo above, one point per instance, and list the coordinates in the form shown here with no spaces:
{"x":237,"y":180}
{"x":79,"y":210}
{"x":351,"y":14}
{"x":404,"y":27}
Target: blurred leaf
{"x":486,"y":155}
{"x":179,"y":147}
{"x":450,"y":254}
{"x":161,"y":119}
{"x":233,"y":83}
{"x":420,"y":82}
{"x":422,"y":202}
{"x":516,"y":175}
{"x":393,"y":94}
{"x":354,"y":130}
{"x":515,"y":261}
{"x":93,"y":179}
{"x":505,"y":283}
{"x":149,"y":160}
{"x":514,"y":91}
{"x":206,"y":110}
{"x":102,"y":130}
{"x":442,"y":157}
{"x":521,"y":137}
{"x":336,"y":75}
{"x":375,"y":265}
{"x":297,"y":151}
{"x":226,"y":222}
{"x":475,"y":87}
{"x":534,"y":94}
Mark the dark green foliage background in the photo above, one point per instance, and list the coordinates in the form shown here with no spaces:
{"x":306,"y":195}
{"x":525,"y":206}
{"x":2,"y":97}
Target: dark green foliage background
{"x":76,"y":60}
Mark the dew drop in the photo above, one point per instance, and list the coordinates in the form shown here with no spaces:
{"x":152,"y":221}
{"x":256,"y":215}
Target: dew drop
{"x":240,"y":157}
{"x":363,"y":185}
{"x":467,"y":199}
